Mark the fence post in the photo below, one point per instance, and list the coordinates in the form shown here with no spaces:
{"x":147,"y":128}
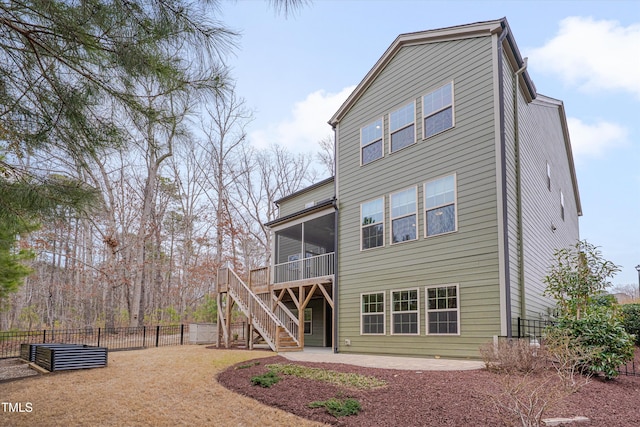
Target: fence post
{"x":181,"y":333}
{"x":98,"y":337}
{"x":157,"y":335}
{"x":519,"y":328}
{"x":44,"y":336}
{"x":144,"y":336}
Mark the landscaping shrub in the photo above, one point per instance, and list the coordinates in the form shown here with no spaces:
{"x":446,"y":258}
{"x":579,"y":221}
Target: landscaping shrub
{"x":339,"y":407}
{"x":265,"y":380}
{"x":602,"y":334}
{"x":512,"y":355}
{"x":631,"y":320}
{"x":577,"y":281}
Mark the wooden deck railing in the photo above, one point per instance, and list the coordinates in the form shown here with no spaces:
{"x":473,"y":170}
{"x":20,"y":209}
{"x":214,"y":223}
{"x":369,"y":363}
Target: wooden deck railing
{"x":307,"y":268}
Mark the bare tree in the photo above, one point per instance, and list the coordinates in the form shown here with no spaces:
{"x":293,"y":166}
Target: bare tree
{"x":326,"y":155}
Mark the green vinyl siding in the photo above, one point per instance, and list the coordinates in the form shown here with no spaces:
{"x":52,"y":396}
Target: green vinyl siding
{"x":467,"y":257}
{"x":316,"y":193}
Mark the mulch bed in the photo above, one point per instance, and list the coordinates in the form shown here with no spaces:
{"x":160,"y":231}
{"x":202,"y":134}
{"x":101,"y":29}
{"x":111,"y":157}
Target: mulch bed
{"x":430,"y":398}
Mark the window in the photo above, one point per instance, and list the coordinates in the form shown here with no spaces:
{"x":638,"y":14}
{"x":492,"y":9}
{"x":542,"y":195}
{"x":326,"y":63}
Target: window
{"x":442,"y":310}
{"x":440,"y":206}
{"x":372,"y":314}
{"x":403,"y":215}
{"x":548,"y":176}
{"x":404,"y":312}
{"x":308,"y":321}
{"x":562,"y":205}
{"x":372,"y":223}
{"x":371,"y":142}
{"x":402,"y":127}
{"x":437,"y":110}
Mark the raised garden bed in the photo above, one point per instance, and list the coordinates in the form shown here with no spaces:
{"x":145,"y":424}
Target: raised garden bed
{"x":70,"y":357}
{"x":28,"y":351}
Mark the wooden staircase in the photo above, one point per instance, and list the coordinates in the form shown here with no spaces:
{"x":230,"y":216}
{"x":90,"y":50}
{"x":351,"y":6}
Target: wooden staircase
{"x":277,"y":325}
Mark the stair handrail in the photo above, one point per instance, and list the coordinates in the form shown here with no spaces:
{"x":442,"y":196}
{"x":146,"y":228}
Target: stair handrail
{"x":263,"y":314}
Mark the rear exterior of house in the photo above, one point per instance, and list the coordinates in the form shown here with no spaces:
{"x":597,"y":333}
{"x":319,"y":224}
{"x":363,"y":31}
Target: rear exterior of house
{"x":454,"y":185}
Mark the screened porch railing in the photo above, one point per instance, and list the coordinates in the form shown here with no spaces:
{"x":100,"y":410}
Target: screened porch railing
{"x":307,"y":268}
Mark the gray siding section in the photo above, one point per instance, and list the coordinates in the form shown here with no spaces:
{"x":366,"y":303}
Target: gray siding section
{"x":544,"y":230}
{"x":299,"y":201}
{"x":468,"y":257}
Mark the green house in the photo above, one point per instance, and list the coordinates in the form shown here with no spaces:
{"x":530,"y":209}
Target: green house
{"x":454,"y":185}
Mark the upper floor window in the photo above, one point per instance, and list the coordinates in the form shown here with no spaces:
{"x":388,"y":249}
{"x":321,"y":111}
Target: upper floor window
{"x":403,"y":216}
{"x":548,"y":176}
{"x":371,"y":142}
{"x":440,"y":206}
{"x":402,"y":127}
{"x":372,"y":223}
{"x":437,"y":110}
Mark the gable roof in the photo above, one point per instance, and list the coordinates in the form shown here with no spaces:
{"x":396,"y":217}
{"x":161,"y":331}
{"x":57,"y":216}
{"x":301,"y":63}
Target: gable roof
{"x":478,"y":29}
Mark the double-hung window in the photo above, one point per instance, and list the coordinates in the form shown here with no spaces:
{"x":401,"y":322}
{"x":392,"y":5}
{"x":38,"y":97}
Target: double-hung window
{"x":372,"y":223}
{"x":372,"y":314}
{"x":402,"y":127}
{"x":405,"y":312}
{"x":404,"y":215}
{"x":440,"y":206}
{"x":443,"y":308}
{"x":437,"y":110}
{"x":371,"y":142}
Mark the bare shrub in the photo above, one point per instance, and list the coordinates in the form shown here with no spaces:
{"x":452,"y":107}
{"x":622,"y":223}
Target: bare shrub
{"x":524,"y":400}
{"x":568,"y":358}
{"x":511,"y":355}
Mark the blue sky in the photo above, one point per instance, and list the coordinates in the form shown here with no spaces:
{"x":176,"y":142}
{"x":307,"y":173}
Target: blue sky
{"x":295,"y":72}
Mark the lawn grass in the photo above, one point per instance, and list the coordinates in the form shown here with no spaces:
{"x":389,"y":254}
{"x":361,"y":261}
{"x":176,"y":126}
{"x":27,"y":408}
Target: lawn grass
{"x":164,"y":386}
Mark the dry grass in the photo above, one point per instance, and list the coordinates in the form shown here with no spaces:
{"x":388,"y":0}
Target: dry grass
{"x":164,"y":386}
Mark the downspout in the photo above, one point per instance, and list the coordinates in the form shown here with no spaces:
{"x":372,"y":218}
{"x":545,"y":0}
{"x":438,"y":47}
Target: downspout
{"x":503,"y":165}
{"x":334,"y":291}
{"x":516,"y":130}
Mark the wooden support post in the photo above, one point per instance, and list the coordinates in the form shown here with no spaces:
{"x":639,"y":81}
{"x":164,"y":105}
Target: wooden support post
{"x":301,"y":317}
{"x":228,"y":320}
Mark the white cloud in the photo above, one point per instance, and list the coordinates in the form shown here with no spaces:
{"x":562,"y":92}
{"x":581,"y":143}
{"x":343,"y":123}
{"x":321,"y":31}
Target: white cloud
{"x":595,"y":140}
{"x":306,"y":125}
{"x":593,"y":55}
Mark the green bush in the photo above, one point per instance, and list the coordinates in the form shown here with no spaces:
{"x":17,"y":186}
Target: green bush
{"x":265,"y":380}
{"x":631,"y":320}
{"x":339,"y":407}
{"x":602,"y":333}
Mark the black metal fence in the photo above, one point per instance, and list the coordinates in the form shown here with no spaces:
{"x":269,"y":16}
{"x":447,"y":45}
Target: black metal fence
{"x":111,"y":338}
{"x":528,"y":328}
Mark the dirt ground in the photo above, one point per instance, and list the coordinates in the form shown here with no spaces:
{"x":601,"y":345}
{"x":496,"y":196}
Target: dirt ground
{"x":197,"y":386}
{"x":166,"y":386}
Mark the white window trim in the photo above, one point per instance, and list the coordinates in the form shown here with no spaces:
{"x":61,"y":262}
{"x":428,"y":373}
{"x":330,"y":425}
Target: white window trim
{"x":383,"y":223}
{"x":453,"y":110}
{"x":417,"y":311}
{"x":391,"y":218}
{"x":455,"y":202}
{"x":381,"y":119}
{"x":415,"y":136}
{"x":384,"y":313}
{"x":427,"y":311}
{"x":310,"y":321}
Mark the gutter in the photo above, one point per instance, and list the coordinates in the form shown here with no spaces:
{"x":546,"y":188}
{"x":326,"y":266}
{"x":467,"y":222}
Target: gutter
{"x":516,"y":130}
{"x":503,"y":166}
{"x":335,"y":242}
